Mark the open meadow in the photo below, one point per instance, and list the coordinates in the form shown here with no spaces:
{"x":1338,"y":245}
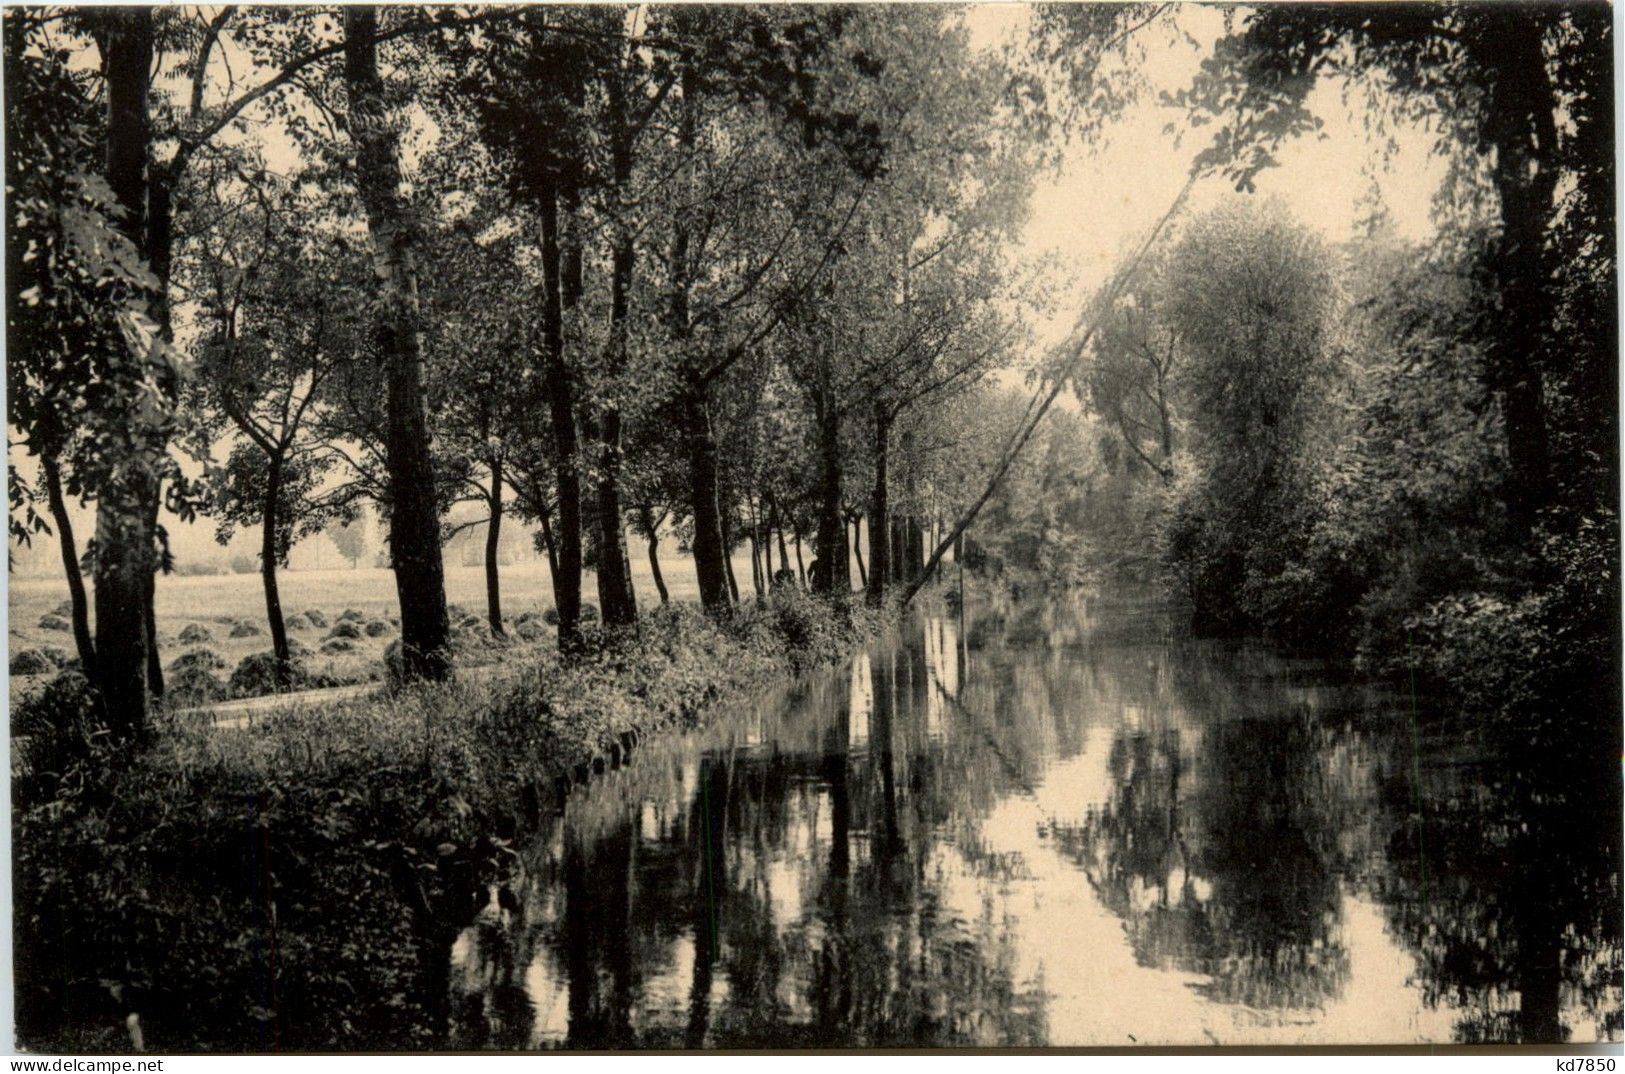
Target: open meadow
{"x":231,"y":609}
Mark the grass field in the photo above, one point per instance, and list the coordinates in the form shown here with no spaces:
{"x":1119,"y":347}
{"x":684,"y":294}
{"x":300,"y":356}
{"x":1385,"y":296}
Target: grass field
{"x":216,"y":602}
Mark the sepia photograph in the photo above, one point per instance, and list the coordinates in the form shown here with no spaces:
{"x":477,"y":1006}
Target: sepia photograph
{"x":776,"y":528}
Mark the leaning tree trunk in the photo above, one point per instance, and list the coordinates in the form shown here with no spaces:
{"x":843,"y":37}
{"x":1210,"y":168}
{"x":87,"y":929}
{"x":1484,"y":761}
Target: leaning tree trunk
{"x":414,"y":531}
{"x":493,"y":544}
{"x":651,"y":529}
{"x":654,"y":568}
{"x":70,"y":564}
{"x":561,"y":412}
{"x":268,"y":559}
{"x":879,"y":522}
{"x":124,"y":537}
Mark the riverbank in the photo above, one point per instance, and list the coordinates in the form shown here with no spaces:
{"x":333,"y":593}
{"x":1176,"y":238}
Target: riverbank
{"x":296,"y":883}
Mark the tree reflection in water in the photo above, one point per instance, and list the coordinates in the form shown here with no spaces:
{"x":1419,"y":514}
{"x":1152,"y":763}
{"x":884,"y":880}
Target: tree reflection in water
{"x":910,"y":852}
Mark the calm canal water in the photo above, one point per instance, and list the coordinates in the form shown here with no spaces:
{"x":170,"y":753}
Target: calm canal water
{"x":1062,"y":824}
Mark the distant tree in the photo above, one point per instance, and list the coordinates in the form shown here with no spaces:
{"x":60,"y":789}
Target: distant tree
{"x":349,"y":536}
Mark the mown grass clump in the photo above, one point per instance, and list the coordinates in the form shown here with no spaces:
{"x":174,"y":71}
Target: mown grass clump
{"x":297,"y":884}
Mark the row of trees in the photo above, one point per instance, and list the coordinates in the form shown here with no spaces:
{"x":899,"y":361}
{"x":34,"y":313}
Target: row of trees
{"x":699,"y":268}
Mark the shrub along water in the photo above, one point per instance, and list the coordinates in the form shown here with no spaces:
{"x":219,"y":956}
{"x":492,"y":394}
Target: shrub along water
{"x":297,"y":884}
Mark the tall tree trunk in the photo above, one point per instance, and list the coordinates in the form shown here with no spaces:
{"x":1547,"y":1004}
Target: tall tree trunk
{"x":879,"y":520}
{"x":616,"y":598}
{"x":834,"y":574}
{"x":709,"y":557}
{"x":561,"y":412}
{"x":698,"y":436}
{"x":1522,"y":127}
{"x":493,"y":545}
{"x":414,"y":530}
{"x":268,"y":561}
{"x":124,"y":535}
{"x":70,"y":563}
{"x":857,"y":551}
{"x":801,"y":566}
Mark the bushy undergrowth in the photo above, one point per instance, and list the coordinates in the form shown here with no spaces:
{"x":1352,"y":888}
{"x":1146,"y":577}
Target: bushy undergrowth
{"x":296,"y":884}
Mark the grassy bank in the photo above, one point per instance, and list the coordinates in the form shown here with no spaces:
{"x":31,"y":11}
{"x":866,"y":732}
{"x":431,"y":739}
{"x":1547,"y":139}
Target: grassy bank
{"x":231,"y":608}
{"x":297,"y":884}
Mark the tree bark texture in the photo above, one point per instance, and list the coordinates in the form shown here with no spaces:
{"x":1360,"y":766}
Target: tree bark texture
{"x":834,"y":574}
{"x":561,"y":412}
{"x":414,"y":531}
{"x":616,"y":598}
{"x":709,"y":568}
{"x":124,"y":535}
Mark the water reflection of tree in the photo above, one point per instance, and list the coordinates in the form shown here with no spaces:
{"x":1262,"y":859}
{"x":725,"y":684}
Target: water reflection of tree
{"x":1206,"y":857}
{"x":1223,"y":841}
{"x":862,"y":951}
{"x":1505,"y":880}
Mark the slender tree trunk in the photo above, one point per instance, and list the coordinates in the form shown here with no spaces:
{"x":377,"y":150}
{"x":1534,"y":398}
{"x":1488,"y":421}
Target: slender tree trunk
{"x":784,"y":551}
{"x":801,"y":567}
{"x":834,"y":574}
{"x":149,"y":593}
{"x":493,"y":545}
{"x":124,"y":536}
{"x":698,"y":436}
{"x":857,"y":552}
{"x":879,"y":508}
{"x":70,"y":564}
{"x":414,"y":530}
{"x":755,"y":563}
{"x":545,"y":516}
{"x":616,"y":597}
{"x":268,"y":562}
{"x":561,"y":411}
{"x":654,"y":567}
{"x":728,"y":557}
